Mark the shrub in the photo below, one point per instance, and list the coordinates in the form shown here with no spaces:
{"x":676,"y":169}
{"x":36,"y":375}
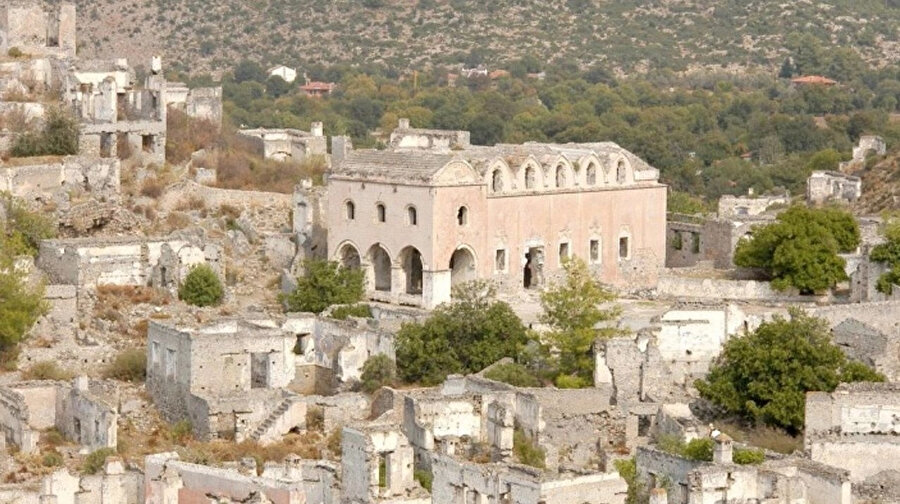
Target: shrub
{"x":201,"y":287}
{"x":15,"y":52}
{"x":130,"y":365}
{"x":152,"y":187}
{"x":425,"y":478}
{"x":527,"y":451}
{"x":765,"y":375}
{"x":697,"y":449}
{"x":52,"y":459}
{"x":571,"y":382}
{"x":23,"y":229}
{"x":47,"y":370}
{"x":22,"y":305}
{"x":323,"y":284}
{"x":59,"y":137}
{"x":95,"y":460}
{"x":745,"y":456}
{"x":181,"y":432}
{"x":378,"y":371}
{"x":627,"y":469}
{"x":514,"y":374}
{"x":346,"y":311}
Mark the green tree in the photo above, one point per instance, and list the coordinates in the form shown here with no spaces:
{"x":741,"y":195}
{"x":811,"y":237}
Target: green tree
{"x":22,"y":230}
{"x":378,"y":371}
{"x":573,"y":310}
{"x":323,"y":284}
{"x":464,"y":336}
{"x":201,"y":287}
{"x":801,"y":248}
{"x":764,"y":376}
{"x":21,"y":305}
{"x":59,"y":137}
{"x":889,"y":254}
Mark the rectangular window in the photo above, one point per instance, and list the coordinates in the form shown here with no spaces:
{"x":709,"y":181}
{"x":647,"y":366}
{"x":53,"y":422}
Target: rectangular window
{"x":595,"y":251}
{"x":623,"y":248}
{"x":170,"y":363}
{"x":563,"y":252}
{"x":695,"y":242}
{"x":500,"y":261}
{"x":154,"y":353}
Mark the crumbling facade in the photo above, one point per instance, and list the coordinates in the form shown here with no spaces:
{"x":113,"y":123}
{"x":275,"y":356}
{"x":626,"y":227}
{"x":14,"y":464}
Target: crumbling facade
{"x":28,"y":408}
{"x":855,"y":428}
{"x":424,"y":216}
{"x":24,"y":25}
{"x":289,"y":144}
{"x":832,"y":187}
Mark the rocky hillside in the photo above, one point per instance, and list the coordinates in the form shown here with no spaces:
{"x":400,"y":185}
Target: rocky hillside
{"x":624,"y":35}
{"x":880,"y":185}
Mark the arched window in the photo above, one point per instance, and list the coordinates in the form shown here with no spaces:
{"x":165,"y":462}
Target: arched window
{"x":591,"y":175}
{"x":529,"y":177}
{"x":412,"y":217}
{"x":351,"y":210}
{"x":462,"y":216}
{"x":497,"y":181}
{"x":620,"y":172}
{"x":380,"y":212}
{"x":560,"y":176}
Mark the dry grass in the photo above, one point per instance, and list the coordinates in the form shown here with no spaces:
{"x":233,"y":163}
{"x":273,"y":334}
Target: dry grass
{"x":47,"y":370}
{"x":192,"y":203}
{"x":121,"y":296}
{"x":768,"y":438}
{"x":152,"y":187}
{"x":187,"y":135}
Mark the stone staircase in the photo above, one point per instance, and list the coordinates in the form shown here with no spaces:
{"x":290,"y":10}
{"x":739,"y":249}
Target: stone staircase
{"x":290,"y":413}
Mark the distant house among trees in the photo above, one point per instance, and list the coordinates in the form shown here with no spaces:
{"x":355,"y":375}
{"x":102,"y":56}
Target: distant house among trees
{"x":317,"y":89}
{"x":287,"y":73}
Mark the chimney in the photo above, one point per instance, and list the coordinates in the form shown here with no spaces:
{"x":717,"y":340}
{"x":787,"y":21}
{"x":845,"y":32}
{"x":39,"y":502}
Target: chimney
{"x":659,"y":496}
{"x":722,"y":450}
{"x":404,"y":123}
{"x":316,"y":129}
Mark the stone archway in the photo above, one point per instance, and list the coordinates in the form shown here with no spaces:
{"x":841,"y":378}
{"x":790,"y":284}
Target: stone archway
{"x":380,"y":268}
{"x":462,"y":266}
{"x":411,"y":266}
{"x":349,"y":257}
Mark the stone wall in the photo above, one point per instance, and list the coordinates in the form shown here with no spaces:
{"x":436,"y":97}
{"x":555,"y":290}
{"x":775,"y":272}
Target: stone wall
{"x":824,"y":187}
{"x":114,"y":484}
{"x":685,"y":287}
{"x":56,"y":180}
{"x":215,"y":197}
{"x":855,"y":428}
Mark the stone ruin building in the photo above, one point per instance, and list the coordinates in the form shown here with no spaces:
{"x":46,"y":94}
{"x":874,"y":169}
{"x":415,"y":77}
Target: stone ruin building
{"x":289,"y":144}
{"x":434,"y":211}
{"x":832,"y":187}
{"x":24,"y":25}
{"x":868,"y":145}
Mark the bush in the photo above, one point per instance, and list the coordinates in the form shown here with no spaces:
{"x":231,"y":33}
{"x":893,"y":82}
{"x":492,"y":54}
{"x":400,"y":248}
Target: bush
{"x":465,"y":336}
{"x":52,"y":459}
{"x":347,"y":311}
{"x":181,"y":432}
{"x":527,"y":451}
{"x":95,"y":460}
{"x":765,"y":375}
{"x":697,"y":449}
{"x":425,"y":478}
{"x":130,"y":365}
{"x":378,"y":371}
{"x":571,"y":382}
{"x":59,"y":137}
{"x":47,"y":370}
{"x":514,"y":374}
{"x":201,"y":287}
{"x":746,"y":456}
{"x":15,"y":52}
{"x":23,"y":229}
{"x":323,"y":284}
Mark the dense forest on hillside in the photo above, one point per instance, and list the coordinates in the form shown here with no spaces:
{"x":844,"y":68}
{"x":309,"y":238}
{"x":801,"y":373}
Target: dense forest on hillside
{"x":711,"y":133}
{"x":623,"y":36}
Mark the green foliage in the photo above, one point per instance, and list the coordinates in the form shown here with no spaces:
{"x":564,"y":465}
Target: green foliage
{"x":573,"y":309}
{"x":748,"y":456}
{"x":94,"y":462}
{"x":764,"y":376}
{"x":684,"y":203}
{"x":181,"y":431}
{"x":59,"y":137}
{"x":889,"y":253}
{"x":564,"y":381}
{"x":627,"y":469}
{"x":527,"y":451}
{"x":22,"y":230}
{"x":801,"y":248}
{"x":15,"y":52}
{"x":21,"y":305}
{"x":425,"y":478}
{"x":129,"y":365}
{"x":464,"y":336}
{"x":201,"y":287}
{"x":378,"y":371}
{"x":700,"y":449}
{"x":514,"y":374}
{"x":323,"y":284}
{"x":52,"y":458}
{"x":346,"y":311}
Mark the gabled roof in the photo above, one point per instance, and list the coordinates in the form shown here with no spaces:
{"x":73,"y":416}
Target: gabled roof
{"x":814,"y":79}
{"x":410,"y":167}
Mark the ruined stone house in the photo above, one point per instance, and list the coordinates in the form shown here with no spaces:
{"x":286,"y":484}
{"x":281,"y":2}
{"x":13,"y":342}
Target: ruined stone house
{"x":289,"y":144}
{"x":25,"y":25}
{"x":832,"y":187}
{"x":434,"y":211}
